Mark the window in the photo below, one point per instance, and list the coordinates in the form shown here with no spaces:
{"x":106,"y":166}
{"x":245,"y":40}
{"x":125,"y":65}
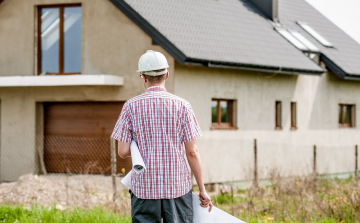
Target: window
{"x":298,"y":40}
{"x":291,"y":39}
{"x":346,"y":115}
{"x":59,"y":39}
{"x":311,"y":47}
{"x":314,"y":34}
{"x":293,"y":115}
{"x":278,"y":124}
{"x":222,"y":114}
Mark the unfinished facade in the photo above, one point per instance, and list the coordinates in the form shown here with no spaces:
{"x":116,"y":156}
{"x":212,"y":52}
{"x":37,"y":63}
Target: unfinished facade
{"x":66,"y":68}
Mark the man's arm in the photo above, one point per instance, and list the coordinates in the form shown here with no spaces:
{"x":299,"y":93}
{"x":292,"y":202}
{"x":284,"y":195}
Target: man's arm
{"x":193,"y":156}
{"x":124,"y":149}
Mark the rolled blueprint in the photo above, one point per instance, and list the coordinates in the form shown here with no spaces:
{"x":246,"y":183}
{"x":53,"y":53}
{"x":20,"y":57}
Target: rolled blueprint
{"x":126,"y":180}
{"x":137,"y":161}
{"x":201,"y":215}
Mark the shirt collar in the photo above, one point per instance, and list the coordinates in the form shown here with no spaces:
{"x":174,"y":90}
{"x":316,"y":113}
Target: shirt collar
{"x":155,"y":88}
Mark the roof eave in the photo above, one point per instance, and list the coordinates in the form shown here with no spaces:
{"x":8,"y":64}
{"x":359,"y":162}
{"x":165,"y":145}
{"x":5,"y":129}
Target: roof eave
{"x":352,"y":78}
{"x":253,"y":67}
{"x":338,"y":71}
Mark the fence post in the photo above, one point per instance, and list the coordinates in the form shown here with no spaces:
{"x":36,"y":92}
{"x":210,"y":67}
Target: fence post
{"x":314,"y":162}
{"x":113,"y":166}
{"x":256,"y":183}
{"x":356,"y":162}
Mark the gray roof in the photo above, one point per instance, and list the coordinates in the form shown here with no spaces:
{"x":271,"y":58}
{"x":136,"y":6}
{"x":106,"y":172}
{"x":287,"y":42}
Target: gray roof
{"x":346,"y":51}
{"x":234,"y":33}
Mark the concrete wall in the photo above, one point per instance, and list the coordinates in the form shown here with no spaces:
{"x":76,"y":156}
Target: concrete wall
{"x":111,"y":44}
{"x":228,"y":154}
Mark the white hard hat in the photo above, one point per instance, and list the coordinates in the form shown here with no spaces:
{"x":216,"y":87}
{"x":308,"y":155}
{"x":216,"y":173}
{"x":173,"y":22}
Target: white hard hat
{"x":151,"y":61}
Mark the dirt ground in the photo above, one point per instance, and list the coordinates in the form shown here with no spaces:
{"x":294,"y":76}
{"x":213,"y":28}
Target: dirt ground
{"x":83,"y":191}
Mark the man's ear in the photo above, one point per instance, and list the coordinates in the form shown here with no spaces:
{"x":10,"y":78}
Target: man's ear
{"x":167,"y":75}
{"x":145,"y":80}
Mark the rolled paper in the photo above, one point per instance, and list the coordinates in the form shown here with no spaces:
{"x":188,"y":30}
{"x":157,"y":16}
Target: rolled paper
{"x":202,"y":215}
{"x":137,"y":161}
{"x":126,"y":180}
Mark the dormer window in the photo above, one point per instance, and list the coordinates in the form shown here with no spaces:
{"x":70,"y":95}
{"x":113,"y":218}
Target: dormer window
{"x":314,"y":34}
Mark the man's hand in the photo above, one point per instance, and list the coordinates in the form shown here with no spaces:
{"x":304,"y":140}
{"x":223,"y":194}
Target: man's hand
{"x":205,"y":200}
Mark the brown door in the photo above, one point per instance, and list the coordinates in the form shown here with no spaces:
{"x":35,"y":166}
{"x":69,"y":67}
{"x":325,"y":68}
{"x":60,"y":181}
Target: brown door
{"x":77,"y":137}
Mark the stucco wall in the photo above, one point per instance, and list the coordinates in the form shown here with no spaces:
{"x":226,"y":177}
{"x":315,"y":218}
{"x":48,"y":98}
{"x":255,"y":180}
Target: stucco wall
{"x":228,"y":154}
{"x":111,"y":44}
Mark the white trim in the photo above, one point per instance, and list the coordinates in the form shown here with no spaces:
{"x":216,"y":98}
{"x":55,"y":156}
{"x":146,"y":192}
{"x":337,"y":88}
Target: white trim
{"x":62,"y":80}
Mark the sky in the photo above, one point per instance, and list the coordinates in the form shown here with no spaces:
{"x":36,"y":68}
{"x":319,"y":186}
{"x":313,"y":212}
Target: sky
{"x":343,"y":13}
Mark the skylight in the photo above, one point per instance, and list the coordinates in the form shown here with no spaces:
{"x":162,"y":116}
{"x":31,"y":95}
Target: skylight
{"x":305,"y":41}
{"x":291,"y":39}
{"x":314,"y":34}
{"x":298,"y":40}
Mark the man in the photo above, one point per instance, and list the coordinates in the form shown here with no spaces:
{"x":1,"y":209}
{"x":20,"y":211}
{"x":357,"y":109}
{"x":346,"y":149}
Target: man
{"x":160,"y":123}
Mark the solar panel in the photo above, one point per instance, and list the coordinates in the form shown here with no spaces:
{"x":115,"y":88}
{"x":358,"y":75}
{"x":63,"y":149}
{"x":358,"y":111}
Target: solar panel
{"x":314,"y":34}
{"x":291,"y":39}
{"x":304,"y":41}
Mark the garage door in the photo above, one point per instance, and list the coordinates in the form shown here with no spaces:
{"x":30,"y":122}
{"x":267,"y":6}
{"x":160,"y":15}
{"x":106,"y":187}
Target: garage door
{"x":77,"y":137}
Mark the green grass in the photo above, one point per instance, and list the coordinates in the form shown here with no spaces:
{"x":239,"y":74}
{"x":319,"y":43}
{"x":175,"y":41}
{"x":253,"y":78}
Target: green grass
{"x":17,"y":214}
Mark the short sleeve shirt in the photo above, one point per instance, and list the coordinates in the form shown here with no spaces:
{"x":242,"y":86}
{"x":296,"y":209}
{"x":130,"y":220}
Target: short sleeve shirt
{"x":159,"y":122}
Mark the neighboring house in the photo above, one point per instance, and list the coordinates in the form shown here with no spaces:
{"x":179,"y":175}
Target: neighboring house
{"x":272,"y":70}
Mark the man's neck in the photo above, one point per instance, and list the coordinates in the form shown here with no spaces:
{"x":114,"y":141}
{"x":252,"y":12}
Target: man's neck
{"x":156,"y":85}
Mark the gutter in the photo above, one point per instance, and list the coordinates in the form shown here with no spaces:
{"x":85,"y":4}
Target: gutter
{"x":253,"y":67}
{"x":352,"y":78}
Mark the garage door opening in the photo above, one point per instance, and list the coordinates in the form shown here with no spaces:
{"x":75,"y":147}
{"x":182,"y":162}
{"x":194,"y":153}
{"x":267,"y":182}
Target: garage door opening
{"x":77,"y":137}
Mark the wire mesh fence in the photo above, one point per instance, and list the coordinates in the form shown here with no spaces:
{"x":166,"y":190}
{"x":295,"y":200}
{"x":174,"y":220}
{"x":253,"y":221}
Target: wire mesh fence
{"x":86,"y":171}
{"x":87,"y":155}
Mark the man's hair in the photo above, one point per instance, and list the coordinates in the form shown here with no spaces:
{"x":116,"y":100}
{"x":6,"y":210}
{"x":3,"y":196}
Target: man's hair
{"x":156,"y":79}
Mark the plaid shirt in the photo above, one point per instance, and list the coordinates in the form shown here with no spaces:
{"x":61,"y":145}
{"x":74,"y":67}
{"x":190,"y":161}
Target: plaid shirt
{"x":160,"y":123}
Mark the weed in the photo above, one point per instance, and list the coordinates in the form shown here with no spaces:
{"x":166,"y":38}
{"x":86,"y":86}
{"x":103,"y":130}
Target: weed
{"x":306,"y":199}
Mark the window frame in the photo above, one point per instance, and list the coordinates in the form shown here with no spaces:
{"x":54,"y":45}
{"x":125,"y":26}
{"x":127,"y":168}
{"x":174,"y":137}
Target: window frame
{"x":278,"y":115}
{"x":224,"y":125}
{"x":61,"y":37}
{"x":352,"y":116}
{"x":293,"y":115}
